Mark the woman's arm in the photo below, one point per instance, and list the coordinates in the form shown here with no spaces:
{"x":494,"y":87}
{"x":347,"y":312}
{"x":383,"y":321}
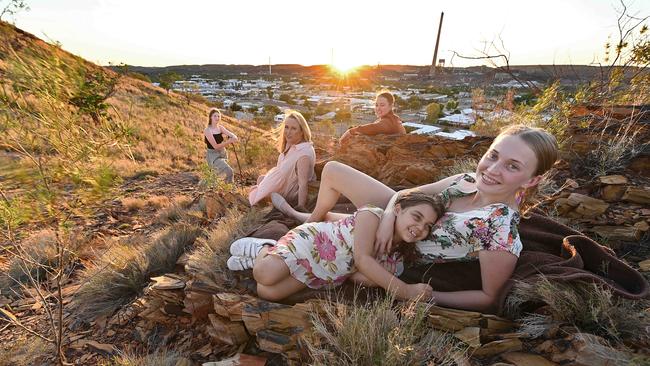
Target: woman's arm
{"x":496,"y":268}
{"x":232,"y":138}
{"x":359,"y":278}
{"x":304,"y":167}
{"x":364,"y":234}
{"x":384,"y":238}
{"x":208,"y":135}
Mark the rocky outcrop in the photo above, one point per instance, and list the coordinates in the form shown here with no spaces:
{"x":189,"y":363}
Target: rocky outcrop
{"x":406,"y":160}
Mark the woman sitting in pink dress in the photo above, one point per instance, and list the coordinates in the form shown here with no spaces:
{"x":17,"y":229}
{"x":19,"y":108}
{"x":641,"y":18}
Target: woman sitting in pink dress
{"x":295,"y":167}
{"x":325,"y":254}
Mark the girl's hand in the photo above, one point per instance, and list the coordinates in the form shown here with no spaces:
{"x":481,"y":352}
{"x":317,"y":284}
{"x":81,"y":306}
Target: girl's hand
{"x":420,"y":291}
{"x":388,"y":264}
{"x":384,"y":237}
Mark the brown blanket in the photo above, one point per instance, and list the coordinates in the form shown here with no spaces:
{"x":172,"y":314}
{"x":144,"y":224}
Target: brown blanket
{"x":549,"y":248}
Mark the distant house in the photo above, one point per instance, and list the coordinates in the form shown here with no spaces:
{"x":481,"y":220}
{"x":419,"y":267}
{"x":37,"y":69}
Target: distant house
{"x":278,"y":118}
{"x":456,"y":135}
{"x":420,"y":129}
{"x":227,"y":103}
{"x":328,"y":115}
{"x":464,"y":118}
{"x":244,"y":116}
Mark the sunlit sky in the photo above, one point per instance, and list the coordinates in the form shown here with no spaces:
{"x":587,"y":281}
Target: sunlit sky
{"x":165,"y":32}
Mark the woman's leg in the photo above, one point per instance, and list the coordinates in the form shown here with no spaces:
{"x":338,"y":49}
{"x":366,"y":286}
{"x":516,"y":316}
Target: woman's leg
{"x":274,"y":280}
{"x":339,"y":179}
{"x":281,"y":204}
{"x":280,"y":290}
{"x":221,"y":165}
{"x":269,"y":269}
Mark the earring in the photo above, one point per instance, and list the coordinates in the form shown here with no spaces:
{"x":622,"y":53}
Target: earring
{"x":519,"y":196}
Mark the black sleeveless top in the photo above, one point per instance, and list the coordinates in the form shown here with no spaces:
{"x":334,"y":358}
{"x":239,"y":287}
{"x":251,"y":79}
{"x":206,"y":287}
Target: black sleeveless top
{"x":218,"y":137}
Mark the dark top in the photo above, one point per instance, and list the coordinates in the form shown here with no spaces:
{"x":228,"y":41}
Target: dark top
{"x":218,"y":137}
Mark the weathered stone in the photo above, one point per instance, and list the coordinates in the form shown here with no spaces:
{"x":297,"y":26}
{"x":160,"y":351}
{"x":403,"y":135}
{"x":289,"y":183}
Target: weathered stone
{"x":239,"y":359}
{"x":637,"y":195}
{"x":168,"y":282}
{"x":645,"y":265}
{"x":590,"y":350}
{"x":496,"y":347}
{"x":618,"y":233}
{"x":642,"y":226}
{"x":612,"y":193}
{"x":226,"y":331}
{"x":585,"y":206}
{"x":526,"y":359}
{"x":470,"y":335}
{"x":613,"y":179}
{"x":406,"y":160}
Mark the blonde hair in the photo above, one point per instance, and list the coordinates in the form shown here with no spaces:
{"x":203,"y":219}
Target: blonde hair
{"x":545,"y":147}
{"x":543,"y":144}
{"x":304,"y":127}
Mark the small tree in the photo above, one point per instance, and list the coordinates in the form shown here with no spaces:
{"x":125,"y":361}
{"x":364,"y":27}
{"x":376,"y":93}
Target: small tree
{"x":13,"y":7}
{"x":92,"y":94}
{"x":286,"y":98}
{"x":433,"y":112}
{"x":235,"y":107}
{"x":168,"y":79}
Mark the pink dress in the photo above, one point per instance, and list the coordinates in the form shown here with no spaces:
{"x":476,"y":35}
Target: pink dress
{"x":283,"y":178}
{"x":321,"y":254}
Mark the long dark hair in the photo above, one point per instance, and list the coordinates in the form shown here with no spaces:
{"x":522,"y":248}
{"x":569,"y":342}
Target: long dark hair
{"x":414,"y":198}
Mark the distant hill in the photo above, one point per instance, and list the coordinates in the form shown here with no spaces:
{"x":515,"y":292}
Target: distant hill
{"x":533,"y":72}
{"x":162,"y":131}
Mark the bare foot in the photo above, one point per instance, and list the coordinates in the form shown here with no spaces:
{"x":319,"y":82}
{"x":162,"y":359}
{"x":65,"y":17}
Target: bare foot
{"x":281,"y":204}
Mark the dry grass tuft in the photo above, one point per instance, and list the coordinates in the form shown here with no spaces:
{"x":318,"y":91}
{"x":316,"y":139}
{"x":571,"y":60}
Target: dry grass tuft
{"x":467,"y":165}
{"x":175,"y":211}
{"x":209,"y":257}
{"x":158,"y":358}
{"x":613,"y":152}
{"x":134,"y":204}
{"x":158,"y":201}
{"x":588,"y":307}
{"x":29,"y":351}
{"x":124,"y":270}
{"x":35,"y":258}
{"x":381,"y":333}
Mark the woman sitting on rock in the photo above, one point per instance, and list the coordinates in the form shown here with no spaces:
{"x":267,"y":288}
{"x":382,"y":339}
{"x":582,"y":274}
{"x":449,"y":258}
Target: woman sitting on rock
{"x":295,"y":167}
{"x":482,"y":209}
{"x":216,"y":138}
{"x":387,"y":122}
{"x":325,"y":254}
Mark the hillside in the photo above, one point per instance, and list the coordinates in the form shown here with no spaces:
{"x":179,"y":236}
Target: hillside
{"x":115,"y":236}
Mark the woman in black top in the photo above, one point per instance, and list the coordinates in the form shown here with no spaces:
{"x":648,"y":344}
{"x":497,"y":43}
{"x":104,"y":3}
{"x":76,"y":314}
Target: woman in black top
{"x":216,"y":138}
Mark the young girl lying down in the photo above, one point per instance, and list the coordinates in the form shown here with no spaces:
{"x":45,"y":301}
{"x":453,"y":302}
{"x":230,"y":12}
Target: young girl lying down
{"x":325,"y":254}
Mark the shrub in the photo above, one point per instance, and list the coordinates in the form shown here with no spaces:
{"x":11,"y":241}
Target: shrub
{"x":157,"y":358}
{"x":612,"y":154}
{"x":380,"y":333}
{"x":588,"y":307}
{"x":209,"y":257}
{"x":125,"y":269}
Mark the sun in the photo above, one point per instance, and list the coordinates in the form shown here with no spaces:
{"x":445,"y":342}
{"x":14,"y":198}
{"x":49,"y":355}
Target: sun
{"x":343,"y":67}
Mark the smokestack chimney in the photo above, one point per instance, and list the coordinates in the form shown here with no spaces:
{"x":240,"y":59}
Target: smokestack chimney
{"x":432,"y":71}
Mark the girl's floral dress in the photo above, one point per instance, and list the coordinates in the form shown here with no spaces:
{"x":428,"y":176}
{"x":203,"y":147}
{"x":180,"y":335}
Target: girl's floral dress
{"x":321,"y":254}
{"x":461,"y":235}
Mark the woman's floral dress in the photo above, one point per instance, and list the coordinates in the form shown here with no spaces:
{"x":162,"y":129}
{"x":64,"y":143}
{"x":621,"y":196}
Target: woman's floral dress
{"x":461,"y":235}
{"x":321,"y":254}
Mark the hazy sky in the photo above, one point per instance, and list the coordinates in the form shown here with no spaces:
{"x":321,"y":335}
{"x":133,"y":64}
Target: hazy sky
{"x":165,"y":32}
